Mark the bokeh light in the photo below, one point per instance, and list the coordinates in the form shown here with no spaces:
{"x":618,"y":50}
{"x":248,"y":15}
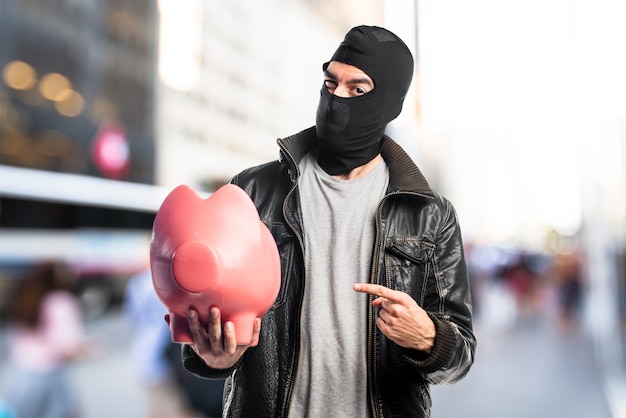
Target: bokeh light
{"x":19,"y":75}
{"x":69,"y":103}
{"x":53,"y":86}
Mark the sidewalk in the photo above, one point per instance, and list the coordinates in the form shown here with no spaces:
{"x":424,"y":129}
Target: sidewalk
{"x":529,"y":371}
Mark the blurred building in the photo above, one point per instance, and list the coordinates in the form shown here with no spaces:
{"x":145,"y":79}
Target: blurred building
{"x":524,"y":105}
{"x":108,"y":95}
{"x":161,"y":91}
{"x":77,"y":99}
{"x":236,"y":75}
{"x":77,"y":95}
{"x":72,"y":70}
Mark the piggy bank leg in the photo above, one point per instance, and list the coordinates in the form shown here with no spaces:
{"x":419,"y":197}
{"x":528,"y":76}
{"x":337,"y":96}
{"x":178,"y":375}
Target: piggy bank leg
{"x":179,"y":329}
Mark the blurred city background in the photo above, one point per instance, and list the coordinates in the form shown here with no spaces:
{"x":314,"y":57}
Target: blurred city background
{"x":517,"y":113}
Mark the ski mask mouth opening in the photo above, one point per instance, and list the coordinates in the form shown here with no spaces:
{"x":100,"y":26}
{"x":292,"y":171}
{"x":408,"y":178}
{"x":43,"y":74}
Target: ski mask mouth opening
{"x":350,"y":130}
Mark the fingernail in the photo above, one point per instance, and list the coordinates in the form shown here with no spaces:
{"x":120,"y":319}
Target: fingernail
{"x":191,"y":314}
{"x":214,"y":313}
{"x":228,"y":326}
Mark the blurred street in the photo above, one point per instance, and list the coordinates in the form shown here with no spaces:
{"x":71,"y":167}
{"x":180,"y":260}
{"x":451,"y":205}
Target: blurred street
{"x":529,"y":370}
{"x":107,"y":385}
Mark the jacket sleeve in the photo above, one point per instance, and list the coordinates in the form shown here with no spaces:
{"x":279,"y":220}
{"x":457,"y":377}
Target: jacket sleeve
{"x":453,"y":352}
{"x":195,"y":365}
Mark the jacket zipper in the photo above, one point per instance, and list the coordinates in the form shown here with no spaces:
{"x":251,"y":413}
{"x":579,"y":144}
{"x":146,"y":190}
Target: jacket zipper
{"x":371,"y":347}
{"x":231,"y":394}
{"x":293,"y":375}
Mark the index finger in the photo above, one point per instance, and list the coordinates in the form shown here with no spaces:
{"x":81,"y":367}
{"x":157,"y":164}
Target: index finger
{"x":377,"y":290}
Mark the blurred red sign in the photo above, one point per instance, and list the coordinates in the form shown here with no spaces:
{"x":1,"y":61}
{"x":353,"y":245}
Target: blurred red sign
{"x":110,"y":152}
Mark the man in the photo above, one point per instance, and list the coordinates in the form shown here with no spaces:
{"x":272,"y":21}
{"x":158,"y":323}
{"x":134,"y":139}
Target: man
{"x":374,"y":302}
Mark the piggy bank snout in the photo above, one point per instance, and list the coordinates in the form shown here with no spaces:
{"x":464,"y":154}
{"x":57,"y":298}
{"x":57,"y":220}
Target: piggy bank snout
{"x":195,"y":266}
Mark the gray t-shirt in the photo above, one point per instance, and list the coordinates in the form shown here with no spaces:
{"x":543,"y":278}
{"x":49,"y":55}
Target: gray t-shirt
{"x":338,"y":218}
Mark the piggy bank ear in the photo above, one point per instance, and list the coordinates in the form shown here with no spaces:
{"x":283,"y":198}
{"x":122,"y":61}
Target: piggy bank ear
{"x":196,"y":266}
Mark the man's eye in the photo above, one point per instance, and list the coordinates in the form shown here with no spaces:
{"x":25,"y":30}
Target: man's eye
{"x":359,"y":90}
{"x":330,"y":84}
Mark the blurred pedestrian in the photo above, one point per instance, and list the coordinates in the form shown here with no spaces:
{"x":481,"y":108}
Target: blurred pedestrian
{"x":375,"y":302}
{"x":569,"y":282}
{"x":45,"y":334}
{"x":150,"y":343}
{"x":522,"y":282}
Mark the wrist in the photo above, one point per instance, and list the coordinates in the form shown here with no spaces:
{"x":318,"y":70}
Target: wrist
{"x":428,"y":338}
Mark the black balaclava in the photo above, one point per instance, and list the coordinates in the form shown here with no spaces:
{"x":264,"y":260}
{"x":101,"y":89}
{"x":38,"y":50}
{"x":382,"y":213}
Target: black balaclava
{"x":350,"y":130}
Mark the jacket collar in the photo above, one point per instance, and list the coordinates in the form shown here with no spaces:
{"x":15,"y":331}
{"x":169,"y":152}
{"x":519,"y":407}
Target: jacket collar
{"x":403,"y":173}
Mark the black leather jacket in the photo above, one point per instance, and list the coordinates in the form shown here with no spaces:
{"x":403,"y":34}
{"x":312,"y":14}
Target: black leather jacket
{"x":418,"y":250}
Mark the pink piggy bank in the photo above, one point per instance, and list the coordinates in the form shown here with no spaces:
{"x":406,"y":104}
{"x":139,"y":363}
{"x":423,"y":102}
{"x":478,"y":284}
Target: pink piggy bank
{"x":213,"y":252}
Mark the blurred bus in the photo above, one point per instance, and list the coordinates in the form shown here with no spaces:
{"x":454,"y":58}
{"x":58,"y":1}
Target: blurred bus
{"x":101,"y":228}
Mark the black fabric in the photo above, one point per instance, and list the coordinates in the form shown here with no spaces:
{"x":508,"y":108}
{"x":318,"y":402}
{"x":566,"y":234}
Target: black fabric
{"x":350,"y":130}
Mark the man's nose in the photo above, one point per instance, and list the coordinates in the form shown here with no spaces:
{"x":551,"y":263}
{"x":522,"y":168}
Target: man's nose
{"x":341,"y":91}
